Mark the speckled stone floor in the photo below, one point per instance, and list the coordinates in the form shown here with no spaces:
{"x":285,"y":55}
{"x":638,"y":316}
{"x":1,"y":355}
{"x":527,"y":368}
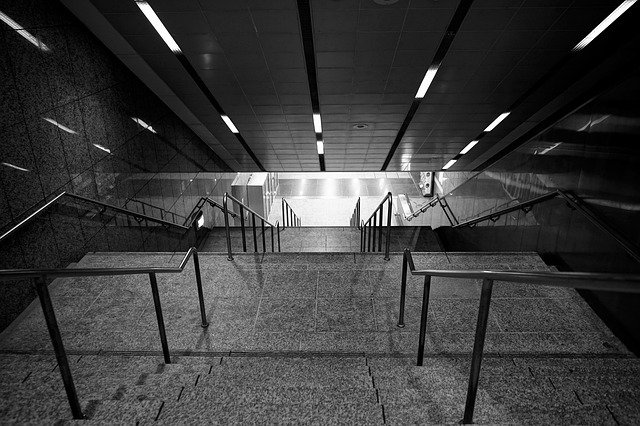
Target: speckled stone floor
{"x":322,"y":326}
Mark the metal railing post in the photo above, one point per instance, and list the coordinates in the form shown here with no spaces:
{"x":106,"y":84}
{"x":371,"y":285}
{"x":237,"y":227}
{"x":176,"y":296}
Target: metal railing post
{"x":380,"y":229}
{"x":264,"y":241}
{"x":284,"y":222}
{"x":361,"y":237}
{"x":403,"y":289}
{"x":278,"y":229}
{"x":226,"y":226}
{"x":423,"y":318}
{"x":255,"y":238}
{"x":388,"y":242}
{"x":478,"y":347}
{"x":161,"y":329}
{"x":196,"y":267}
{"x":58,"y":346}
{"x":272,"y":243}
{"x":374,"y":229}
{"x":369,"y":235}
{"x":244,"y":237}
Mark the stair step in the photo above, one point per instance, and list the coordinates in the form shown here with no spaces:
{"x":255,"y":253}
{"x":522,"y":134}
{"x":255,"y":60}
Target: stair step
{"x":198,"y":412}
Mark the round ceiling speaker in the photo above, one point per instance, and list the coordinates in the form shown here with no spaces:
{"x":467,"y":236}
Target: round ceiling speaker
{"x":360,"y":126}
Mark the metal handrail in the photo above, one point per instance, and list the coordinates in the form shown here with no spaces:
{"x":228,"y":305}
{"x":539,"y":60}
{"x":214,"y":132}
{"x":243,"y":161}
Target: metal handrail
{"x":625,"y":283}
{"x":355,"y":216}
{"x":423,"y":208}
{"x":370,"y":227}
{"x":54,"y":200}
{"x":520,"y":206}
{"x":39,"y":281}
{"x":264,"y":221}
{"x":163,"y":211}
{"x":198,"y":208}
{"x":631,"y":249}
{"x":289,"y":218}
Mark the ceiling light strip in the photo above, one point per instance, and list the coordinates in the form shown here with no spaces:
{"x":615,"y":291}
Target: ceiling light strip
{"x":306,"y":31}
{"x":441,"y":52}
{"x":164,"y":33}
{"x":624,"y":6}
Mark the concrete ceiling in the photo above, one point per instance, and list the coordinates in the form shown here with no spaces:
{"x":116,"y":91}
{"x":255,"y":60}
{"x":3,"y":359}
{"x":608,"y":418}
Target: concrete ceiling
{"x":369,"y":62}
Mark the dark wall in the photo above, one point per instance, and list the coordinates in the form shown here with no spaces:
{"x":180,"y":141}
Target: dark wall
{"x":70,"y":78}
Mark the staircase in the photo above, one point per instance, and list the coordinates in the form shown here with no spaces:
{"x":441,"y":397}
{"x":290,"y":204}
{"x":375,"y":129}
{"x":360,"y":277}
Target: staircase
{"x":312,"y":338}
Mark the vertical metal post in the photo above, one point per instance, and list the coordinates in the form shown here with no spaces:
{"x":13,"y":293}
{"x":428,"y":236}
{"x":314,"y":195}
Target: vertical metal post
{"x":403,"y":289}
{"x":380,"y":229}
{"x":196,"y":267}
{"x":255,"y":238}
{"x":375,"y":224}
{"x":272,"y":243}
{"x":278,"y":229}
{"x":478,"y":347}
{"x":226,"y":226}
{"x":244,"y":237}
{"x":388,"y":242}
{"x":58,"y":346}
{"x":264,"y":241}
{"x":362,"y":237}
{"x":368,"y":225}
{"x":423,"y":318}
{"x":161,"y":329}
{"x":284,"y":220}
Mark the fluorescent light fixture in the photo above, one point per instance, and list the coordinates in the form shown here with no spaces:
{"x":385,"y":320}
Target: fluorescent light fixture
{"x":229,"y":124}
{"x":158,"y":25}
{"x":143,"y":125}
{"x":449,"y":164}
{"x":320,"y":145}
{"x":107,"y":150}
{"x":317,"y":123}
{"x":468,"y":147}
{"x":426,"y":81}
{"x":24,"y":33}
{"x":604,"y":24}
{"x":55,"y":123}
{"x":497,"y":121}
{"x":12,"y":166}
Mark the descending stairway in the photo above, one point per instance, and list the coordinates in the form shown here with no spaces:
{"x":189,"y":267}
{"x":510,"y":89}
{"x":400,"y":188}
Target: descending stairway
{"x":311,"y":338}
{"x":322,"y":239}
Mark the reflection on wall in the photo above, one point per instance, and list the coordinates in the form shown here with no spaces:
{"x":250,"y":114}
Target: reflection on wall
{"x":74,"y":118}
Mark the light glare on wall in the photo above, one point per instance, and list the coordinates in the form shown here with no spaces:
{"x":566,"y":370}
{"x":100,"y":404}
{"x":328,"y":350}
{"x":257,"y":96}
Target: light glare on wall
{"x":60,"y":126}
{"x":449,"y":164}
{"x":143,"y":125}
{"x":24,"y":33}
{"x":13,"y":166}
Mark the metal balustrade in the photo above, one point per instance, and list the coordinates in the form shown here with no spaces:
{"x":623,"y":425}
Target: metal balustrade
{"x":289,"y":218}
{"x":371,"y":229}
{"x":354,"y":222}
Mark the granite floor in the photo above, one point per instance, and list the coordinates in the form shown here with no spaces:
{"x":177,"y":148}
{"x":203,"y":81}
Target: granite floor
{"x":335,"y":315}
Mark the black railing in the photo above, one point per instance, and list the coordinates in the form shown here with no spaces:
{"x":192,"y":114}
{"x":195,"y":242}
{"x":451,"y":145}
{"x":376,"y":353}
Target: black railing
{"x":437,"y":200}
{"x":39,"y":277}
{"x":164,"y":214}
{"x":243,"y":207}
{"x":371,"y":230}
{"x":355,"y":216}
{"x":625,"y":283}
{"x":195,"y":212}
{"x":289,"y":218}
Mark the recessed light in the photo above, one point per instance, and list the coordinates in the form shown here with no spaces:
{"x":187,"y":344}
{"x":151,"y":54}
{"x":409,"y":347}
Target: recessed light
{"x":449,"y":164}
{"x":317,"y":123}
{"x":229,"y":124}
{"x":158,"y":25}
{"x":320,"y":146}
{"x":468,"y":147}
{"x":604,"y":24}
{"x":360,"y":126}
{"x":426,"y":81}
{"x":497,"y":121}
{"x":24,"y":33}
